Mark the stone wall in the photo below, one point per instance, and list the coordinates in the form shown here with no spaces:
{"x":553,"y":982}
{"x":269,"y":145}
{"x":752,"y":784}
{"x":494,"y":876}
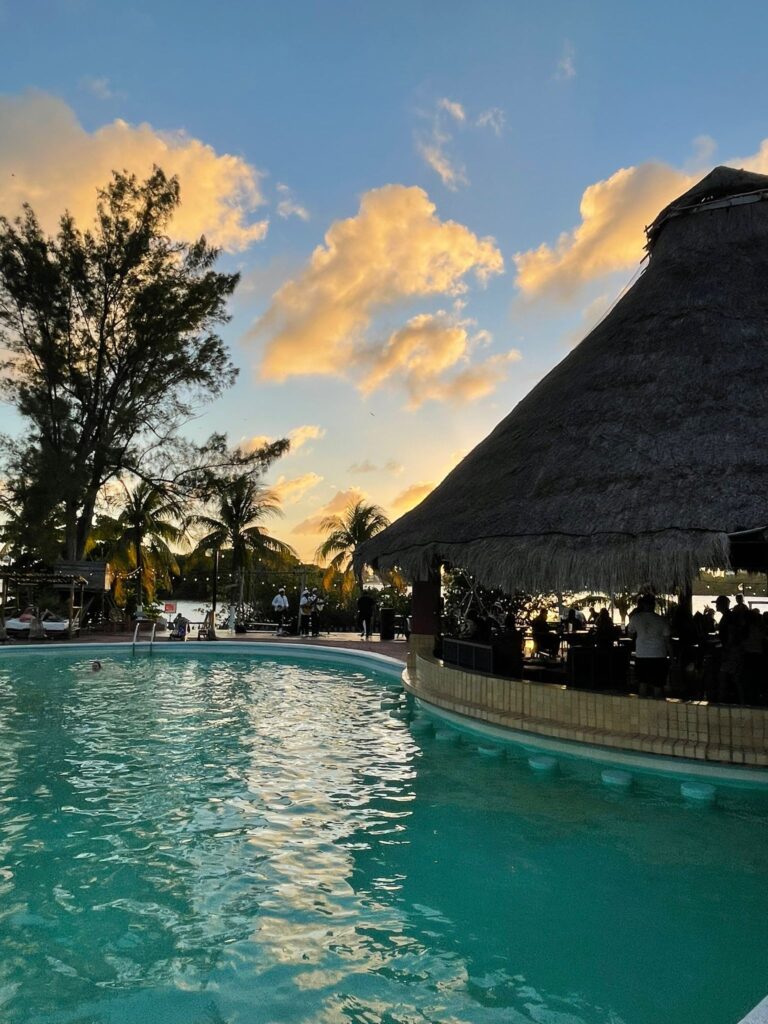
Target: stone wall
{"x":732,"y":735}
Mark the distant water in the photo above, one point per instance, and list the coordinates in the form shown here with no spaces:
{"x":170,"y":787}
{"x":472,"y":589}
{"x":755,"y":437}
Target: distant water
{"x":215,"y":839}
{"x":193,"y":610}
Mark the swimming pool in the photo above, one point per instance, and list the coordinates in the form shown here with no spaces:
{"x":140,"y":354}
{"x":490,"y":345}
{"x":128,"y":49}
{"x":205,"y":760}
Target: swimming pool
{"x":209,"y":837}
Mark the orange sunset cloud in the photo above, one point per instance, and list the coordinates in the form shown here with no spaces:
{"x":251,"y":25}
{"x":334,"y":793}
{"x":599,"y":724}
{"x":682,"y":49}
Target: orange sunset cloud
{"x":49,"y":160}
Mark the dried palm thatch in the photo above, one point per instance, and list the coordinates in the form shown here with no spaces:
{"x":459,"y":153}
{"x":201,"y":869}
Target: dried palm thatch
{"x":638,"y":456}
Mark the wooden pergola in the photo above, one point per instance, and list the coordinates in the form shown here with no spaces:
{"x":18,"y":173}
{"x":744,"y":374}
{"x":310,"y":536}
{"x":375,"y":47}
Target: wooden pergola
{"x":31,"y":581}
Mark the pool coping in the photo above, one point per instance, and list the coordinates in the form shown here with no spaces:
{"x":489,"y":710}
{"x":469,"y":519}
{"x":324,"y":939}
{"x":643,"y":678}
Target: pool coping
{"x":318,"y":652}
{"x":757,"y":1016}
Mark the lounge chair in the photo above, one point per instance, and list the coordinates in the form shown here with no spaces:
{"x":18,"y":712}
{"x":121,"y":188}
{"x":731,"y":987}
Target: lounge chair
{"x":56,"y":627}
{"x":18,"y":626}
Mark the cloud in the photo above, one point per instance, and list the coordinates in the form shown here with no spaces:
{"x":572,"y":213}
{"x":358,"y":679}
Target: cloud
{"x":422,"y":356}
{"x":252,"y":444}
{"x":566,"y":66}
{"x":757,"y":162}
{"x":48,"y":159}
{"x":363,"y":467}
{"x":704,"y":149}
{"x":395,"y":249}
{"x":614,"y":214}
{"x":337,"y":505}
{"x":411,"y":496}
{"x":289,"y":491}
{"x":298,"y":437}
{"x":471,"y":384}
{"x":366,"y":466}
{"x":454,"y":109}
{"x":493,"y":119}
{"x":611,"y":235}
{"x":433,"y":151}
{"x":98,"y":87}
{"x":287,"y":205}
{"x":432,"y":143}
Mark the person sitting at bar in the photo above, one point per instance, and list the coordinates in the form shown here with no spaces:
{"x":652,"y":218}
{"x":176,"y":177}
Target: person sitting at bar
{"x":477,"y":626}
{"x":605,"y":631}
{"x":576,"y":621}
{"x":546,"y":640}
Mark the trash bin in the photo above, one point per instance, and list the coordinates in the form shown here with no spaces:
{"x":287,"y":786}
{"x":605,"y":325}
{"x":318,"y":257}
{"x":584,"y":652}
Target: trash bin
{"x":387,"y":623}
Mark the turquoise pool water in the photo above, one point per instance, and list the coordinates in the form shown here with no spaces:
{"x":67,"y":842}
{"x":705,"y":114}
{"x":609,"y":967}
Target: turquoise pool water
{"x":222,"y":840}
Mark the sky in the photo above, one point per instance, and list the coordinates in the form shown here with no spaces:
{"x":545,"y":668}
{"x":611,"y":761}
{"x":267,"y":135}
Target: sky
{"x":429,"y":203}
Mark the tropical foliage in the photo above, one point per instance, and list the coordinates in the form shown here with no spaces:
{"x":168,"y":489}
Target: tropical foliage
{"x":359,"y":521}
{"x":235,"y":522}
{"x":111,"y":344}
{"x":137,"y":541}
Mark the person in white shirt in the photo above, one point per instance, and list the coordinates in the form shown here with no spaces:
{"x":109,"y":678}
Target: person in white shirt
{"x":280,"y":607}
{"x":652,"y":635}
{"x":306,"y":605}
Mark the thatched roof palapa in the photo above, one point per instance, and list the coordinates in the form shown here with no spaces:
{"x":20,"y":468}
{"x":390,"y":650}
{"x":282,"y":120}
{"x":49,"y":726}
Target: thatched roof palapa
{"x":637,"y":456}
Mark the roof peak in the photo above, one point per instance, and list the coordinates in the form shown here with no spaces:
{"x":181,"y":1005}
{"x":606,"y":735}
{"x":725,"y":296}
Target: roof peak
{"x":721,"y":184}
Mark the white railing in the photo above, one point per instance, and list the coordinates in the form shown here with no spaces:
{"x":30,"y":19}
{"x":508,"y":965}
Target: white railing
{"x":135,"y":634}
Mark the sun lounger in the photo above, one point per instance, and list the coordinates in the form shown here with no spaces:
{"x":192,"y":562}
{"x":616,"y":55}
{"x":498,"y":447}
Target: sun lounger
{"x":17,"y":625}
{"x":51,"y":627}
{"x":55,"y":626}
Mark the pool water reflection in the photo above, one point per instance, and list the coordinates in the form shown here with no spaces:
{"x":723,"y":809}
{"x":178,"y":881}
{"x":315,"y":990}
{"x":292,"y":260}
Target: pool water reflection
{"x":229,"y":839}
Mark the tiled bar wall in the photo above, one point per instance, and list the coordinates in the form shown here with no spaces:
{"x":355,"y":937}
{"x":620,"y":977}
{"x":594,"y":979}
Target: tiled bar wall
{"x":733,"y":735}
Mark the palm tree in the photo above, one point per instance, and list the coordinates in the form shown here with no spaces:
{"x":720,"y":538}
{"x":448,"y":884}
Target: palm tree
{"x":139,"y":538}
{"x":358,"y":522}
{"x":240,"y":507}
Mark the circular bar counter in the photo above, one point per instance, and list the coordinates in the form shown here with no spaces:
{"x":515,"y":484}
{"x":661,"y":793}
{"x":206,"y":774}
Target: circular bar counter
{"x":694,"y":730}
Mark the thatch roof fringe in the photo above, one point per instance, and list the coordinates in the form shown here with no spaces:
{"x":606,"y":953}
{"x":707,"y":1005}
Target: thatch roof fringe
{"x":608,"y":563}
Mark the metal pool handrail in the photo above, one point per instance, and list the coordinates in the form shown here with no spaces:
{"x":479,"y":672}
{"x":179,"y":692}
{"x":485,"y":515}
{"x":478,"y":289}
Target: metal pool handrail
{"x":136,"y":634}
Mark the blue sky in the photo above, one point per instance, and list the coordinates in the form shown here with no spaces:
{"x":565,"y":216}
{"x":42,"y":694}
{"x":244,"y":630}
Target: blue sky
{"x":288,"y":116}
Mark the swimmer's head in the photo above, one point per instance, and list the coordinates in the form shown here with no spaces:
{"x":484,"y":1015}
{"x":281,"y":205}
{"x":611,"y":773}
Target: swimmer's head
{"x":96,"y":666}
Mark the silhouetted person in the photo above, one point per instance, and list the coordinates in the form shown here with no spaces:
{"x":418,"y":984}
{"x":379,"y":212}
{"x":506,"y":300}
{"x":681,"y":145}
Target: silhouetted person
{"x":547,"y":641}
{"x":365,"y":609}
{"x":740,"y":618}
{"x":508,"y":649}
{"x":686,"y":652}
{"x":731,"y":634}
{"x":318,"y":603}
{"x":482,"y":631}
{"x":605,"y":631}
{"x":754,"y":658}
